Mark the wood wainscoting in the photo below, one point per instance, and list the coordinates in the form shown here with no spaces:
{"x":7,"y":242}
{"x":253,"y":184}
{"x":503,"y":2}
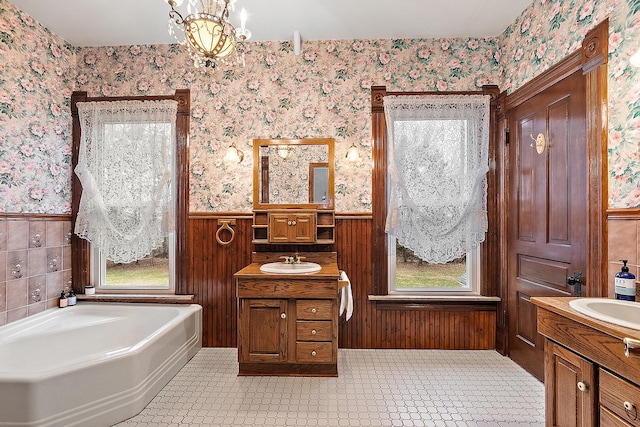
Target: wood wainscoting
{"x":375,"y":324}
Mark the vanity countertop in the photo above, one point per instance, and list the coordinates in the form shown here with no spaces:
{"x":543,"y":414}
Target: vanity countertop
{"x":327,"y":271}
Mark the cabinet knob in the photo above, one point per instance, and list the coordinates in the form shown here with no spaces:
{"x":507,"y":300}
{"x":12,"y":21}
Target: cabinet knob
{"x":293,"y":223}
{"x":283,"y":316}
{"x":313,"y":353}
{"x":582,"y":386}
{"x":288,"y":222}
{"x":631,"y":347}
{"x":314,"y":310}
{"x":631,"y":410}
{"x":313,"y":332}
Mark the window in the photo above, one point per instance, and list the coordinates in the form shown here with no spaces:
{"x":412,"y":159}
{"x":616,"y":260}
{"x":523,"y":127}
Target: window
{"x":155,"y":271}
{"x":436,"y":192}
{"x":127,"y":166}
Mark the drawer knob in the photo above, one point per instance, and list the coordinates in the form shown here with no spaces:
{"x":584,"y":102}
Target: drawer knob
{"x":313,"y":332}
{"x":283,"y":316}
{"x":314,"y":310}
{"x":631,"y":410}
{"x":313,"y":353}
{"x":582,"y":386}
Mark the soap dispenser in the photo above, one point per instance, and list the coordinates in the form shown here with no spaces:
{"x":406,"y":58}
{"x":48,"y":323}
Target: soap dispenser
{"x":625,"y":284}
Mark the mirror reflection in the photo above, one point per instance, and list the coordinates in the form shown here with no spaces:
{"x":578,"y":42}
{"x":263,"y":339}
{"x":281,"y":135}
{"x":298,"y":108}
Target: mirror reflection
{"x":293,"y":172}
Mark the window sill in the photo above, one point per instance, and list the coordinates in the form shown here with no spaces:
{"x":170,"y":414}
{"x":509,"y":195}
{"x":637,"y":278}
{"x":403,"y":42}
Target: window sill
{"x":138,"y":298}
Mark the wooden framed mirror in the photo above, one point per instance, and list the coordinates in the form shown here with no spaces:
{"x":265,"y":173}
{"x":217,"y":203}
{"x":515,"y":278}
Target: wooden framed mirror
{"x":296,"y":173}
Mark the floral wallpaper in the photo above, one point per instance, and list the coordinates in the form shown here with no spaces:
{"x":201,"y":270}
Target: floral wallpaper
{"x":548,"y":31}
{"x":324,"y":92}
{"x":36,"y":81}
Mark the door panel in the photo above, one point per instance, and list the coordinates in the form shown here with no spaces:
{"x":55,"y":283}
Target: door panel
{"x":546,"y":234}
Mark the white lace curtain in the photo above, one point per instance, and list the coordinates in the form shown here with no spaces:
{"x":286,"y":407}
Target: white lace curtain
{"x":437,"y":156}
{"x":125,"y":165}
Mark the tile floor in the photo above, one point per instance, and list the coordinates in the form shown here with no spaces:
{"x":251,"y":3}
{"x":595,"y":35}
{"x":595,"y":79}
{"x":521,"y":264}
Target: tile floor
{"x":375,"y":388}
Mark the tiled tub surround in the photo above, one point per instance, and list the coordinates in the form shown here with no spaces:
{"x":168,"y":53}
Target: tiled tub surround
{"x":35,"y":265}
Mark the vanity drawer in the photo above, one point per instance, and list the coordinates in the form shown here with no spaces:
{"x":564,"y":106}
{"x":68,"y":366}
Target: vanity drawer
{"x":319,"y":352}
{"x":314,"y":309}
{"x":609,"y":419}
{"x":615,"y":393}
{"x":314,"y":330}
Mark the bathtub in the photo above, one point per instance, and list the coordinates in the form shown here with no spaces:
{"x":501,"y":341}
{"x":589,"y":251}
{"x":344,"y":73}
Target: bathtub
{"x":94,"y":363}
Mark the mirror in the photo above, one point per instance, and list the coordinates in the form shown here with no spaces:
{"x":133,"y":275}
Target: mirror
{"x":293,"y":173}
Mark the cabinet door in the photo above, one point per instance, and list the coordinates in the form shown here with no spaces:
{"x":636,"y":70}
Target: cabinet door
{"x":303,"y":228}
{"x":262,"y":328}
{"x":279,"y":228}
{"x":570,"y":394}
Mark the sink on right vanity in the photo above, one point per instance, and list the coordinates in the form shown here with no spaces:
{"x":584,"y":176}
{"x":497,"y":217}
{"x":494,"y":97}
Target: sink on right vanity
{"x":592,"y":369}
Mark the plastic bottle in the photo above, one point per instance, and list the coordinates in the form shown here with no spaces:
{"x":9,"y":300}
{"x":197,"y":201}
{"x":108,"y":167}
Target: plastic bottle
{"x":62,"y":301}
{"x":71,"y":299}
{"x":625,"y":284}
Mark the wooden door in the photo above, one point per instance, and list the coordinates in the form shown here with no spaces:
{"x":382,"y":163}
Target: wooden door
{"x":262,"y":330}
{"x":547,"y":217}
{"x":570,"y":391}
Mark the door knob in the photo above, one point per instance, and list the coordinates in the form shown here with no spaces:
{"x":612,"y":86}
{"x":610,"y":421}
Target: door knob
{"x":576,"y":282}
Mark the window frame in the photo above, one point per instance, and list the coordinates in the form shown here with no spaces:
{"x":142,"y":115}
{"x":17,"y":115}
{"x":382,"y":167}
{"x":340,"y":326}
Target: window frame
{"x":84,"y":259}
{"x":489,"y":269}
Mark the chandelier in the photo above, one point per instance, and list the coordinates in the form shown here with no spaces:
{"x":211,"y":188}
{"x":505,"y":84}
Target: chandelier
{"x":208,"y":34}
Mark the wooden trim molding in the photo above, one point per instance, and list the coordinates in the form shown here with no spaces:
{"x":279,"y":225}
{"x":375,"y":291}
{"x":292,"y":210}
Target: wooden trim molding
{"x":623,"y":213}
{"x":34,"y":217}
{"x":80,"y":249}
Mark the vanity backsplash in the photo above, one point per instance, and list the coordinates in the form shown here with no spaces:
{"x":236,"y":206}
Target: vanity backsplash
{"x":624,"y":243}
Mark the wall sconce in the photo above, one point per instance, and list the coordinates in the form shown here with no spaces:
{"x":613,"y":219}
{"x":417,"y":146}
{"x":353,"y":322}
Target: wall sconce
{"x":285,"y":151}
{"x":635,"y":59}
{"x":353,"y":155}
{"x":233,"y":154}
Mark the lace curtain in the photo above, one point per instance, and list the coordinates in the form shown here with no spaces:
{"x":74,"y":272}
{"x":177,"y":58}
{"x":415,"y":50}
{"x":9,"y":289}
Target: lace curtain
{"x":437,"y":164}
{"x":125,"y":165}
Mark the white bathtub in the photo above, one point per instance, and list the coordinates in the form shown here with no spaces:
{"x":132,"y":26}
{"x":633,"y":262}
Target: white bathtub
{"x":94,"y":363}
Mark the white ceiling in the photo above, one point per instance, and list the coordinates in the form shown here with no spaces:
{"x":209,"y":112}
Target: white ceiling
{"x":129,"y":22}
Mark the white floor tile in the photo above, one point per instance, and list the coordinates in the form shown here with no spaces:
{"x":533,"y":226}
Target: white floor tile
{"x":377,"y":388}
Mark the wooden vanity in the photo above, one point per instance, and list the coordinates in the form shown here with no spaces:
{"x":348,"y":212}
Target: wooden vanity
{"x":588,"y":379}
{"x":288,"y":323}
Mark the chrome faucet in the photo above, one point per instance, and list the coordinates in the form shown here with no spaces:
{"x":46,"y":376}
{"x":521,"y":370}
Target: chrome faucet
{"x":295,"y":259}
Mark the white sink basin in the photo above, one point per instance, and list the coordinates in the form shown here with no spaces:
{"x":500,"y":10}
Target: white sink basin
{"x":282,"y":268}
{"x":622,"y":313}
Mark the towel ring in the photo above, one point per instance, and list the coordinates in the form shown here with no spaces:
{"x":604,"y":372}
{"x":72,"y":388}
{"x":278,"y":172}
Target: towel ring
{"x":225,"y":224}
